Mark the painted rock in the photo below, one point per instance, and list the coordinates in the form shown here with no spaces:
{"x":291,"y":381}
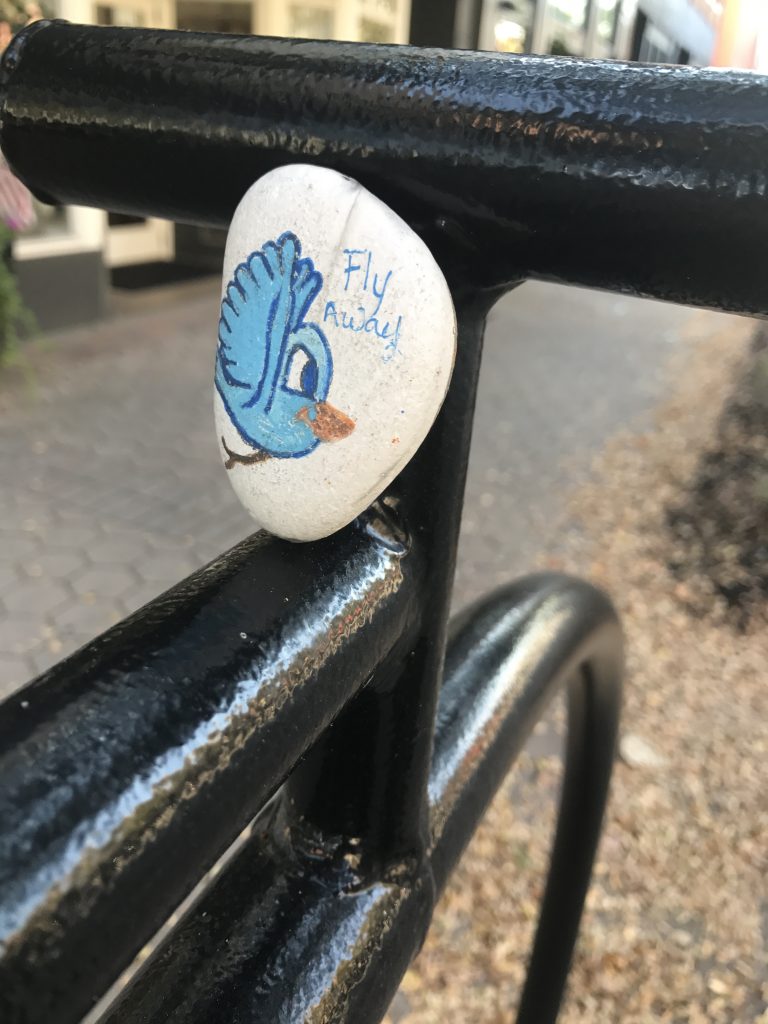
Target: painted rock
{"x":336,"y":342}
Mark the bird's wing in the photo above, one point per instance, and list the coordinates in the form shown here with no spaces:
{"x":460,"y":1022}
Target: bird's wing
{"x":255,"y":313}
{"x":266,"y":302}
{"x":307,"y":282}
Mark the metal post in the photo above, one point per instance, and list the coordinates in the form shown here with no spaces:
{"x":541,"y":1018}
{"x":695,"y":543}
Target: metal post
{"x":367,"y":776}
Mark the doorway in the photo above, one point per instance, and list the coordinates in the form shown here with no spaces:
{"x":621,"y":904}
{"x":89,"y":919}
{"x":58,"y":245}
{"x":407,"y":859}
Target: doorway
{"x":130,"y":239}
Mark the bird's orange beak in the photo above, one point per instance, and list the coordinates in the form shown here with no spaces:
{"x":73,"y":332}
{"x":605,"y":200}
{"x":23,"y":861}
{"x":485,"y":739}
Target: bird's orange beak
{"x":328,"y":423}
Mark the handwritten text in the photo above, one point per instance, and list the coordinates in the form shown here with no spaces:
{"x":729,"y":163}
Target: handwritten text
{"x":366,"y":318}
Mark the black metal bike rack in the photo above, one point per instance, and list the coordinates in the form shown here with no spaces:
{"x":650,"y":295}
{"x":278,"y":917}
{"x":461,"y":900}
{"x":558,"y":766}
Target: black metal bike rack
{"x":316,"y":691}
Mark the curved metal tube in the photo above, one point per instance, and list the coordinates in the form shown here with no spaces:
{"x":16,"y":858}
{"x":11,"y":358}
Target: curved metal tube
{"x":127,"y":769}
{"x":610,"y":175}
{"x":507,"y":658}
{"x":290,"y":933}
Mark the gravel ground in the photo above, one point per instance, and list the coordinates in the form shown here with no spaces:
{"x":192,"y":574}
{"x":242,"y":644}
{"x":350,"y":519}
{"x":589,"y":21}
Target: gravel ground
{"x":676,"y":928}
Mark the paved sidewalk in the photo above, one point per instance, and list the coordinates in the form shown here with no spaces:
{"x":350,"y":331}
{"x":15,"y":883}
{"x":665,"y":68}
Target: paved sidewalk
{"x":111,"y":489}
{"x":110,"y":484}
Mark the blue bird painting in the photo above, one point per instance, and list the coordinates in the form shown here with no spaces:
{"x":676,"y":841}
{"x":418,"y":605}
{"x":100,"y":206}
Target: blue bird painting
{"x":273,"y":367}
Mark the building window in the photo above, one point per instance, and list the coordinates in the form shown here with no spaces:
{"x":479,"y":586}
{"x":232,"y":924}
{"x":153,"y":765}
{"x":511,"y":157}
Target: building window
{"x":309,"y":22}
{"x":232,"y":16}
{"x":506,"y":26}
{"x":565,"y":26}
{"x":385,"y":8}
{"x":125,"y":15}
{"x":607,"y":21}
{"x":656,"y":47}
{"x":372,"y":31}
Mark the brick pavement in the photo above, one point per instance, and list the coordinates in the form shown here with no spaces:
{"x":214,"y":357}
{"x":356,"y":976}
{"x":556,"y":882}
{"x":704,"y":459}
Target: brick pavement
{"x":111,"y":488}
{"x":110,"y":485}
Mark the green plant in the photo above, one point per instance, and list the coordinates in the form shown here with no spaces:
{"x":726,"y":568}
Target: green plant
{"x":16,"y":320}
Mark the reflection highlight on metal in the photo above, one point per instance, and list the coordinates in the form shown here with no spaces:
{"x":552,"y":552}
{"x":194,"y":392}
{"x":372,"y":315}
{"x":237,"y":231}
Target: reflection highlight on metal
{"x":643,"y":179}
{"x":168,"y":734}
{"x":345,"y":941}
{"x":316,"y":691}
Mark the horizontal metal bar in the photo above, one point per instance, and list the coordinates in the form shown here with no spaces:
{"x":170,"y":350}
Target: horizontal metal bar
{"x":289,"y":932}
{"x":630,"y":177}
{"x":127,"y":769}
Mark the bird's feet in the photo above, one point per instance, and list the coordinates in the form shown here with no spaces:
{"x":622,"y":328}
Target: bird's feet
{"x":237,"y":459}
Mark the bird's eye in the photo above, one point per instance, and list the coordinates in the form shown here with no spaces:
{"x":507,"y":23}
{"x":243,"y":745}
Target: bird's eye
{"x":302,"y":373}
{"x":299,"y":360}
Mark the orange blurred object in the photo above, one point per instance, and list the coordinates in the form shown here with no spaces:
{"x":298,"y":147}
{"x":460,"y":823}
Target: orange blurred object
{"x":738,"y":35}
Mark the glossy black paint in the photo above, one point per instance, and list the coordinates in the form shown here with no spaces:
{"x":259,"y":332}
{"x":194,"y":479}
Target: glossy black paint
{"x":631,"y":177}
{"x":367,"y":775}
{"x":507,"y":658}
{"x":317,"y":672}
{"x":292,"y":931}
{"x":127,"y":769}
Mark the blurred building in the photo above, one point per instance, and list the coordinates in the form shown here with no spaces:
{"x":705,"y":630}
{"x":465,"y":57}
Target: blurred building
{"x":67,"y":263}
{"x":742,"y":40}
{"x":64,"y":264}
{"x":656,"y":31}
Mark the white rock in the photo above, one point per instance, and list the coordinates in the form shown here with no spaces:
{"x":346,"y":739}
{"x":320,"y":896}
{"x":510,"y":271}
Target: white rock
{"x":336,"y":343}
{"x":638,"y":753}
